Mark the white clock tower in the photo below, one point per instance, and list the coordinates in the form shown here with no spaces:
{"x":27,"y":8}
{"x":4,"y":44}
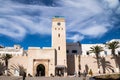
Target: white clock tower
{"x":59,"y":43}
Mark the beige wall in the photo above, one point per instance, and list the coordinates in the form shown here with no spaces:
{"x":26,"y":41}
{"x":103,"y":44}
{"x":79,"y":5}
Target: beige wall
{"x":16,"y":61}
{"x":35,"y":56}
{"x":41,"y":56}
{"x":90,"y":63}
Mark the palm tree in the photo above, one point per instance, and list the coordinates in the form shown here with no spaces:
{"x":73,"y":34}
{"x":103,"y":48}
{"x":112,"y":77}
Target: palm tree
{"x":113,"y":45}
{"x":2,"y":68}
{"x":19,"y":68}
{"x":6,"y":57}
{"x":96,"y":49}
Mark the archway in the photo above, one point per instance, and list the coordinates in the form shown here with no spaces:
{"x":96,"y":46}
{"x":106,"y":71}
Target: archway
{"x":40,"y":70}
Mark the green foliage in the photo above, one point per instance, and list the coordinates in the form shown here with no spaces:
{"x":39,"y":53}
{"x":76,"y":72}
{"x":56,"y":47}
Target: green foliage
{"x":19,"y":68}
{"x":6,"y":57}
{"x":2,"y":68}
{"x":96,"y":49}
{"x":113,"y":45}
{"x":109,"y":76}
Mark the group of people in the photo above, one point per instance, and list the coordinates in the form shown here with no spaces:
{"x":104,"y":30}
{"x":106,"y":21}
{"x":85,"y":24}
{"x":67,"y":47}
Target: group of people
{"x":79,"y":74}
{"x":75,"y":74}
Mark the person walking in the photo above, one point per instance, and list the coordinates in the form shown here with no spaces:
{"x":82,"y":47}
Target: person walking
{"x":84,"y":73}
{"x":24,"y":75}
{"x":79,"y":74}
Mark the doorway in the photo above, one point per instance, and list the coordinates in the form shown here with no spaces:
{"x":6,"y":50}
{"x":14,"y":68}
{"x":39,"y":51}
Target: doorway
{"x":59,"y":71}
{"x":40,"y":70}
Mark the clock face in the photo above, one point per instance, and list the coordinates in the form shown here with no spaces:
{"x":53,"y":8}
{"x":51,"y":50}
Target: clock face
{"x":58,"y":23}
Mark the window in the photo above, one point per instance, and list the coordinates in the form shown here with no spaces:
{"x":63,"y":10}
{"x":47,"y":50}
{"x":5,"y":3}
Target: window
{"x":58,"y":35}
{"x":74,"y":51}
{"x":59,"y":48}
{"x":55,"y":28}
{"x":67,"y":51}
{"x":58,"y":23}
{"x":87,"y":53}
{"x":105,"y":52}
{"x":16,"y":47}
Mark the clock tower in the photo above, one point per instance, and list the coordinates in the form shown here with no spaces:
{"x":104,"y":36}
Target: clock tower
{"x":59,"y":42}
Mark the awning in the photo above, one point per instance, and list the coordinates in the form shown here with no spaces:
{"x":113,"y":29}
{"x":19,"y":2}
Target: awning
{"x":60,"y":66}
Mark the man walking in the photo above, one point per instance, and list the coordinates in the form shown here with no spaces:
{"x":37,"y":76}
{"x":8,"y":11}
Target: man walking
{"x":24,"y":75}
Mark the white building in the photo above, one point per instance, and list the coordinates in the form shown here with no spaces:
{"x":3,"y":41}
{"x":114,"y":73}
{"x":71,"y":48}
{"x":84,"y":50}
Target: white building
{"x":16,"y":50}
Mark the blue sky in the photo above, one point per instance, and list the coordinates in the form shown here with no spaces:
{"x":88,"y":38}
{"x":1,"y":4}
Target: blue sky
{"x":28,"y":22}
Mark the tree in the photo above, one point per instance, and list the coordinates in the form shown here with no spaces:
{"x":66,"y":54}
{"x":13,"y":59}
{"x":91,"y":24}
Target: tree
{"x":96,"y":49}
{"x":2,"y":68}
{"x":6,"y":57}
{"x":19,"y":68}
{"x":113,"y":45}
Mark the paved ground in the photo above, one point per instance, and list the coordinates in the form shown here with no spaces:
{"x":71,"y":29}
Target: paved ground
{"x":43,"y":78}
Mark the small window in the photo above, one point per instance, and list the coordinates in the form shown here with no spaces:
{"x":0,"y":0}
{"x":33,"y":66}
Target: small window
{"x":55,"y":28}
{"x":58,"y":28}
{"x":61,"y":28}
{"x":16,"y":47}
{"x":105,"y":52}
{"x":58,"y":35}
{"x":87,"y":53}
{"x":58,"y":23}
{"x":59,"y":48}
{"x":74,"y":51}
{"x":67,"y":51}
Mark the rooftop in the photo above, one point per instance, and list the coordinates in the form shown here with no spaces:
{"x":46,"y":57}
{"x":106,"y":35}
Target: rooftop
{"x":58,"y":17}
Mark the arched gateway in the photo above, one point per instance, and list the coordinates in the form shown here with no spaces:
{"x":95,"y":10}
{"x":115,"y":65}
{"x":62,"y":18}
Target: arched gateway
{"x":40,"y":70}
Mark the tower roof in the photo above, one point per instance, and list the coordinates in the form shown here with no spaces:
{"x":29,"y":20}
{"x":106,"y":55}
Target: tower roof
{"x":58,"y":19}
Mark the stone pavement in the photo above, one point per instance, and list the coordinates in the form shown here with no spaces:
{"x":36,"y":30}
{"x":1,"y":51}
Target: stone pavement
{"x":42,"y":78}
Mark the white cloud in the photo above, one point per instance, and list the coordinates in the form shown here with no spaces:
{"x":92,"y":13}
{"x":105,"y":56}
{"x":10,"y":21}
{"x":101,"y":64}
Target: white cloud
{"x":12,"y":29}
{"x":89,"y":18}
{"x":94,"y":31}
{"x":112,"y":3}
{"x":76,"y":38}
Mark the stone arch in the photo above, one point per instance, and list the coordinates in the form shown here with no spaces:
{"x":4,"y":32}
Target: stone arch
{"x":40,"y":70}
{"x":36,"y":63}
